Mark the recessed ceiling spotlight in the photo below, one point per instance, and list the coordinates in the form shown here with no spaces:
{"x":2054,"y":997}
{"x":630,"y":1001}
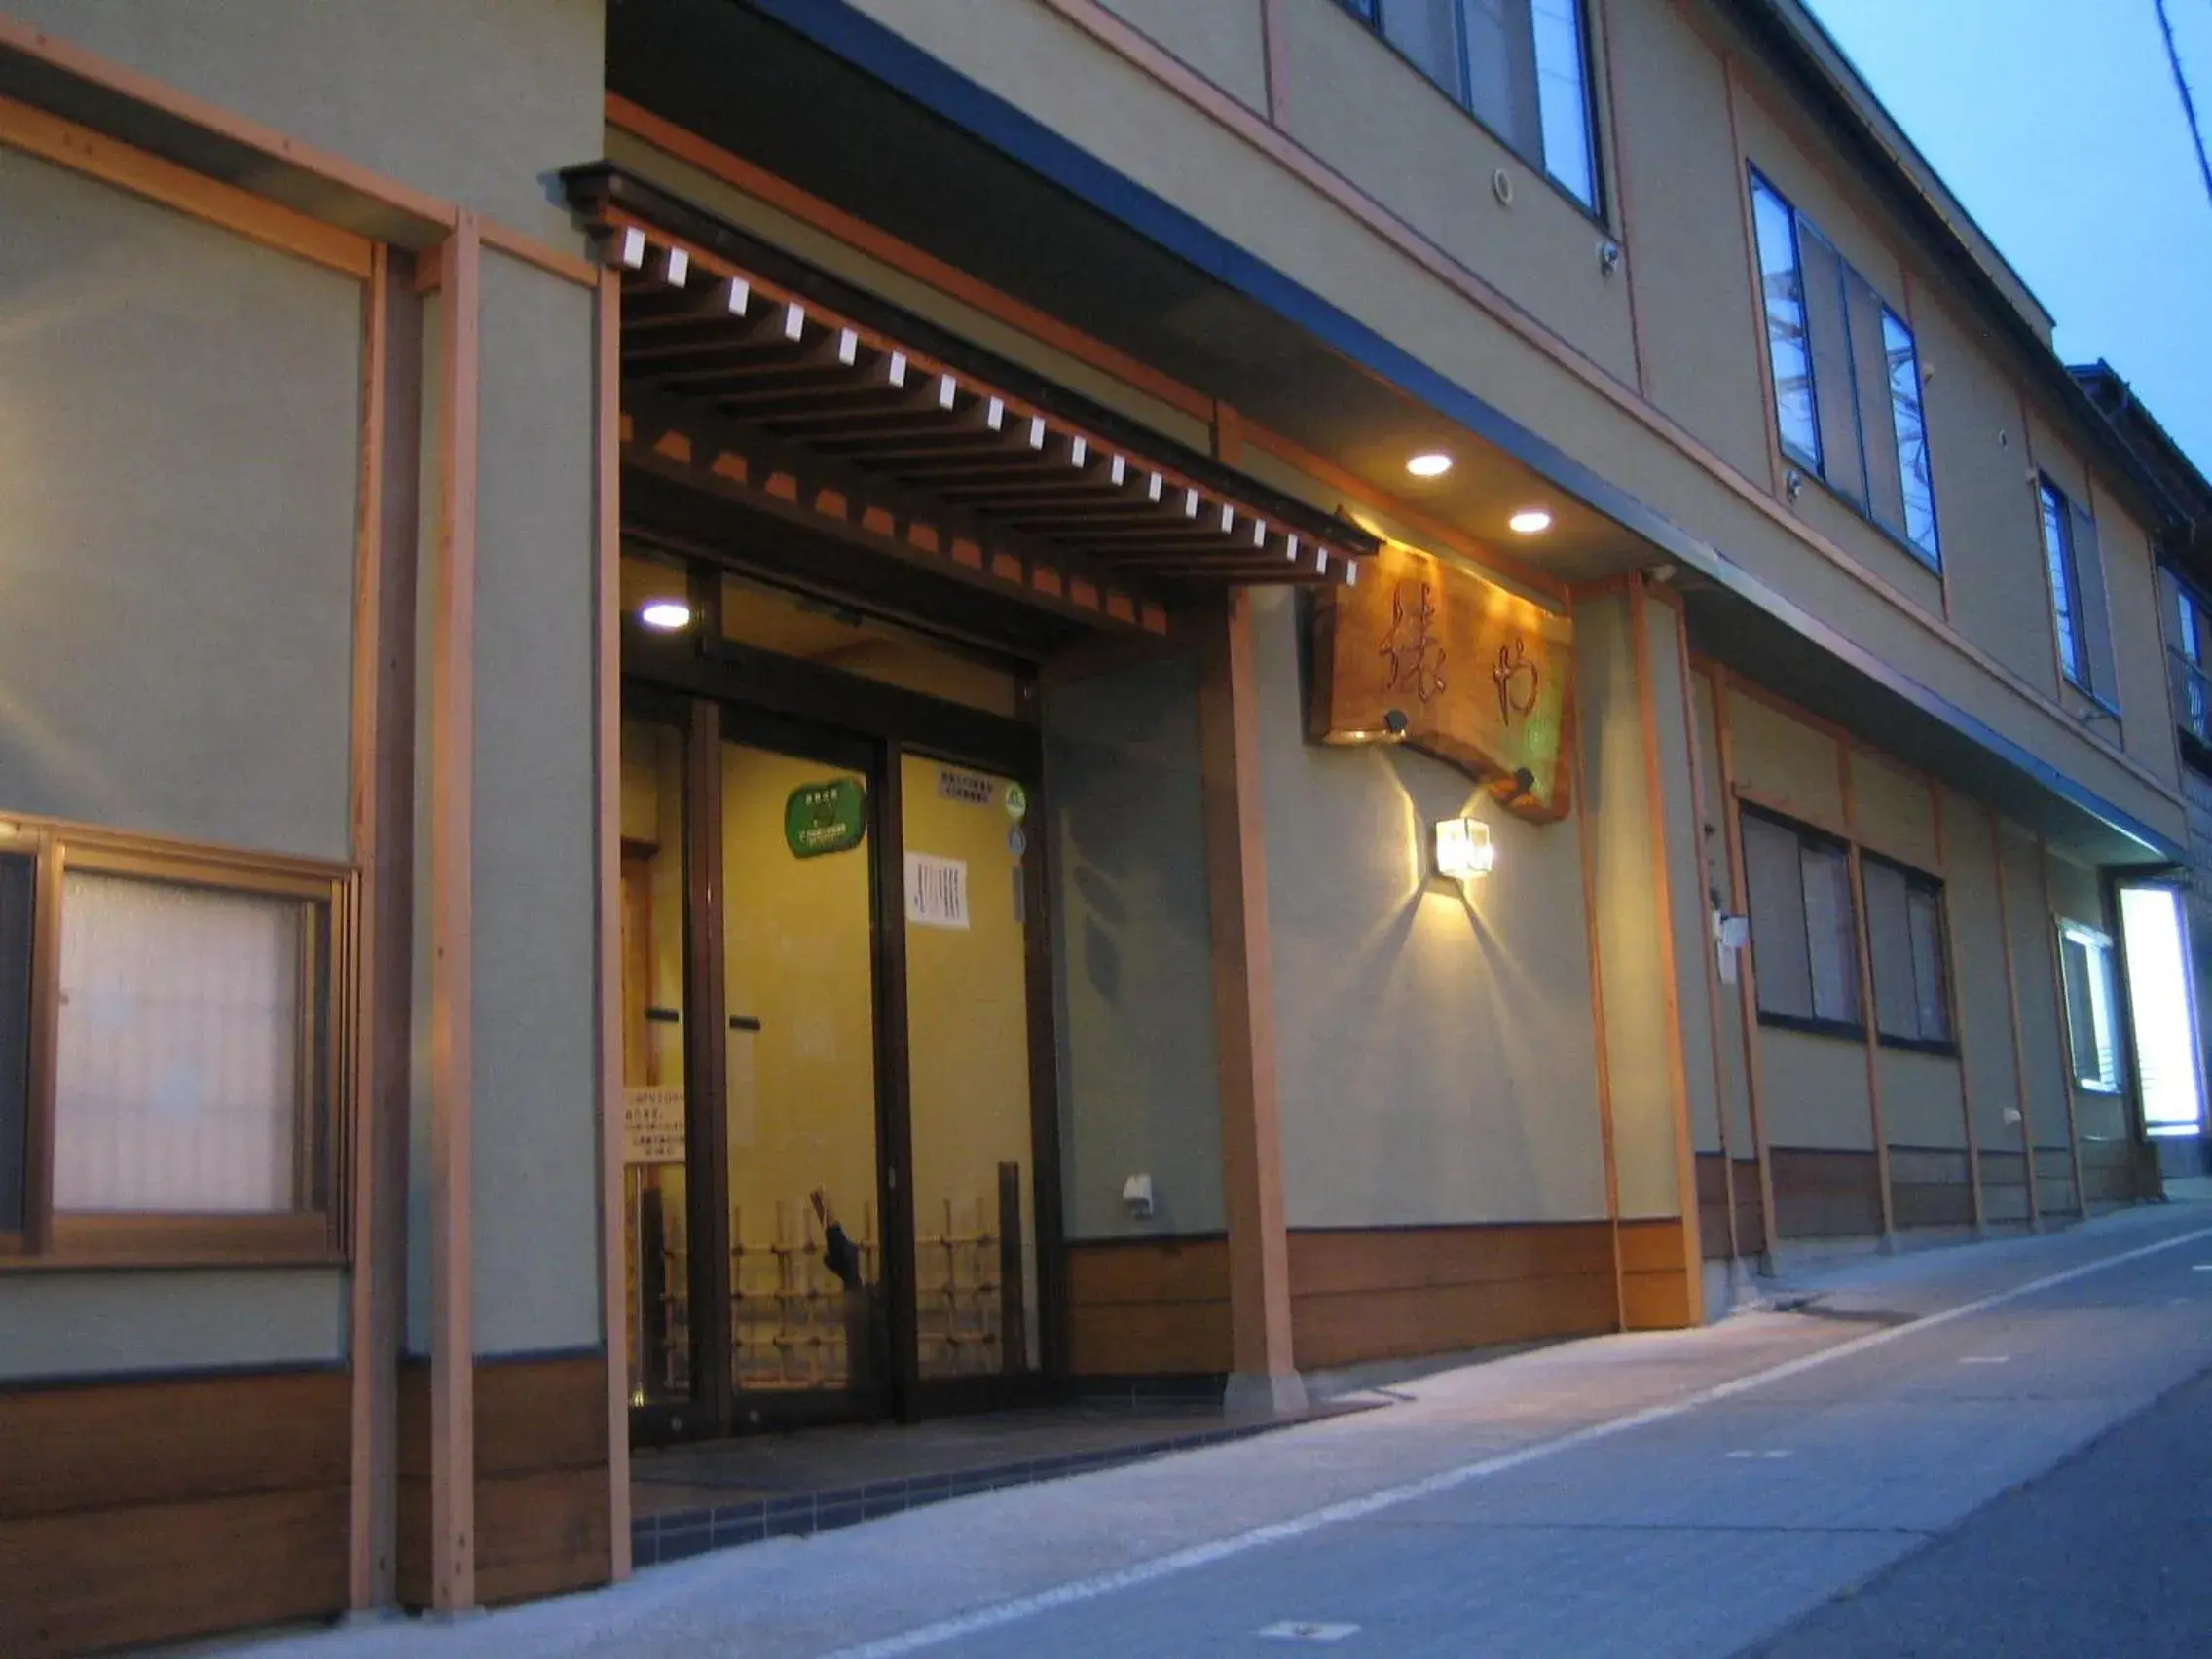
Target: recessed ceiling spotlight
{"x":1429,"y":463}
{"x":666,"y":614}
{"x":1529,"y":520}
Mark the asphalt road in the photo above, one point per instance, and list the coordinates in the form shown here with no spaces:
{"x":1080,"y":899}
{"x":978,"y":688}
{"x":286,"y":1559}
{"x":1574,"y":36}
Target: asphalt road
{"x":2110,"y":1554}
{"x":1950,"y":1455}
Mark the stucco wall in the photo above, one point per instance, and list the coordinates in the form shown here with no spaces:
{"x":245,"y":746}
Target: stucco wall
{"x":1138,"y":1089}
{"x":179,"y":442}
{"x":1225,"y":40}
{"x":475,"y":101}
{"x":1977,"y":952}
{"x":1434,"y":1050}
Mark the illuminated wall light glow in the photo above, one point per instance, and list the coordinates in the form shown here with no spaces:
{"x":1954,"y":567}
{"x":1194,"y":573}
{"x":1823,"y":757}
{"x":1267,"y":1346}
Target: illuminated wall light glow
{"x":1429,"y":463}
{"x":1462,"y":848}
{"x":1529,"y":520}
{"x":666,"y":614}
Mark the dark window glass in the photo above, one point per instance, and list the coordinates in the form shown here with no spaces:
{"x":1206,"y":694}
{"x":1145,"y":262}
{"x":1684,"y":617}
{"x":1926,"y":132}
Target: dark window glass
{"x":1905,"y":932}
{"x":1519,"y":66}
{"x":2065,"y":590}
{"x":17,"y":881}
{"x":1908,"y":415}
{"x":1782,"y":284}
{"x":1847,"y":391}
{"x":1803,"y":929}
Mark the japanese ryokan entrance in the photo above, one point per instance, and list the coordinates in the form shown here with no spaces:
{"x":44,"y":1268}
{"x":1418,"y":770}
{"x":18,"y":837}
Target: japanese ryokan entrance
{"x":836,"y":1038}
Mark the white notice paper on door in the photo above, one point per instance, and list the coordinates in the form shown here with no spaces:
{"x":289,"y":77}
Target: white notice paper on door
{"x":937,"y":891}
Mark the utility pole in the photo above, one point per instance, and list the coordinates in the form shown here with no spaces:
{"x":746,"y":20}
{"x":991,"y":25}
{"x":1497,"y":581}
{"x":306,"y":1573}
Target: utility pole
{"x":2187,"y":104}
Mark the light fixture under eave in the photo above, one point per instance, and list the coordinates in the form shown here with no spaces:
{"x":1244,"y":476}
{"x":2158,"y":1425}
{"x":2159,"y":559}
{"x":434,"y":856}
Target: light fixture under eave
{"x":1462,"y":848}
{"x":666,"y":614}
{"x":1429,"y":463}
{"x":1529,"y":520}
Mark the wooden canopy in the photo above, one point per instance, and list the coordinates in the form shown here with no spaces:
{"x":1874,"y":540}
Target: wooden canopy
{"x":744,"y":365}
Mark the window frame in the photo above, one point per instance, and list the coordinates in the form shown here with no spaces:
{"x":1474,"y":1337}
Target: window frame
{"x":2098,"y":947}
{"x":2054,"y":507}
{"x":1815,"y":1024}
{"x":1815,"y":465}
{"x":1369,"y":15}
{"x":316,"y":1230}
{"x":1933,"y":887}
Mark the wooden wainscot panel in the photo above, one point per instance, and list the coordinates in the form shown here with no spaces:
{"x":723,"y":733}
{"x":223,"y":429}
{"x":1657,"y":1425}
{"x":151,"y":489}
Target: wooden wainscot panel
{"x":1932,"y":1185}
{"x":2004,"y":1186}
{"x":1390,"y":1293}
{"x":1823,"y":1193}
{"x":1149,"y":1308}
{"x":541,"y":1477}
{"x":1655,"y":1286}
{"x":1483,"y":677}
{"x":158,"y":1510}
{"x":2109,"y":1171}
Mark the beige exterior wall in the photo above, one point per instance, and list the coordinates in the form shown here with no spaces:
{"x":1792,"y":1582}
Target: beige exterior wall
{"x":2035,"y":965}
{"x":1433,"y":1051}
{"x":1734,"y":1063}
{"x":1224,"y":40}
{"x":1138,"y":1089}
{"x":1398,"y":147}
{"x":1978,"y":956}
{"x":55,"y":1327}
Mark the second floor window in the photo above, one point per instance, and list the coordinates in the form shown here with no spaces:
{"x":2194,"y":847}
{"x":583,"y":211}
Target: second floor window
{"x":1847,"y":387}
{"x":1519,"y":66}
{"x":2191,"y":656}
{"x":2077,"y":578}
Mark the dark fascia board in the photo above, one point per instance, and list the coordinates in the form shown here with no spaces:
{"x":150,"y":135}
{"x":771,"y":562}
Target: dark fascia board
{"x":1774,"y":25}
{"x":839,"y":27}
{"x":2185,"y":492}
{"x":598,"y":187}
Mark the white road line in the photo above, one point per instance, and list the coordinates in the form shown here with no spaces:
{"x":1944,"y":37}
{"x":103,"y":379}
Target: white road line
{"x":1197,"y":1556}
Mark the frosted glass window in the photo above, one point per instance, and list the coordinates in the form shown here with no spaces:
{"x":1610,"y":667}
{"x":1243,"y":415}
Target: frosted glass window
{"x":2093,"y":1030}
{"x":1804,"y":933}
{"x":2163,"y":1009}
{"x":1831,"y":930}
{"x":1905,"y":927}
{"x":178,"y":1070}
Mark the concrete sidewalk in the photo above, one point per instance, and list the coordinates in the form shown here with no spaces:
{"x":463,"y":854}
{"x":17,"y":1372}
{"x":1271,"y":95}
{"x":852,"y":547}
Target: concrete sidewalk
{"x":1680,"y":1492}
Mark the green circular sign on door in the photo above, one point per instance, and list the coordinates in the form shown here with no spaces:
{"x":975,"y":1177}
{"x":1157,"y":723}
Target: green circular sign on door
{"x":824,"y":818}
{"x":1016,"y":802}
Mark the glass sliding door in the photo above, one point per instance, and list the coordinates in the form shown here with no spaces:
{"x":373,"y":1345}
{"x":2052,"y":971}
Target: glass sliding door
{"x":965,"y":836}
{"x":808,"y":1321}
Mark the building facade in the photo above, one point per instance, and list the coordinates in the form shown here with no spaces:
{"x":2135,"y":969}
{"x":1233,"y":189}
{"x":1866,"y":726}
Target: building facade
{"x":916,"y":703}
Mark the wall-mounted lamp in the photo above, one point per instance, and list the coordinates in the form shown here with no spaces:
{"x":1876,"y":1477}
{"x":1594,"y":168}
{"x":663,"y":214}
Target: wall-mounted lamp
{"x":1462,"y":848}
{"x":666,"y":614}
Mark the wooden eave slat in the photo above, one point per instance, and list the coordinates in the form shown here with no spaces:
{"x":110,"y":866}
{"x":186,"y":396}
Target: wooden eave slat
{"x":716,"y":337}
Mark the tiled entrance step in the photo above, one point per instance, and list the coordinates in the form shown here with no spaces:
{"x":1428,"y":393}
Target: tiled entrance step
{"x":689,"y":1500}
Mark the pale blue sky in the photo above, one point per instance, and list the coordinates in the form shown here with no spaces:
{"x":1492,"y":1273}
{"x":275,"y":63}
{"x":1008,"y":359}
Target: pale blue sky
{"x":2057,"y":124}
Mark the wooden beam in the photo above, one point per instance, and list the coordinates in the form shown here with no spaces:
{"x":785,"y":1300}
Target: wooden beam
{"x":1606,"y":1150}
{"x":1698,"y":806}
{"x":608,"y":757}
{"x":241,"y":212}
{"x":1868,"y":1016}
{"x":453,"y":721}
{"x":1670,"y":972}
{"x":2058,"y":997}
{"x":1244,"y":988}
{"x":2019,"y":1036}
{"x":1746,"y":971}
{"x":1955,"y":1010}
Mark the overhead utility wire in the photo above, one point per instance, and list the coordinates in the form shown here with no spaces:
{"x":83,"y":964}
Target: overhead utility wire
{"x":2187,"y":104}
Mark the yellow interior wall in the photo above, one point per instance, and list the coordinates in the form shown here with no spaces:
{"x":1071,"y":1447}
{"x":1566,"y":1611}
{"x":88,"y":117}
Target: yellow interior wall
{"x":968,"y":1045}
{"x":802,"y":1091}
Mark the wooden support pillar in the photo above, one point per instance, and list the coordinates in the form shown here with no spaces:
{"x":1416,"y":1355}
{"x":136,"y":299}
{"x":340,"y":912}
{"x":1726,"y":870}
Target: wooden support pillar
{"x":614,"y":1268}
{"x":1868,"y":1017}
{"x":1956,"y":1011}
{"x":1670,"y":968}
{"x":2052,"y":938}
{"x":1747,"y":967}
{"x":453,"y":727}
{"x":383,"y":821}
{"x":1264,"y":1373}
{"x":2019,"y":1037}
